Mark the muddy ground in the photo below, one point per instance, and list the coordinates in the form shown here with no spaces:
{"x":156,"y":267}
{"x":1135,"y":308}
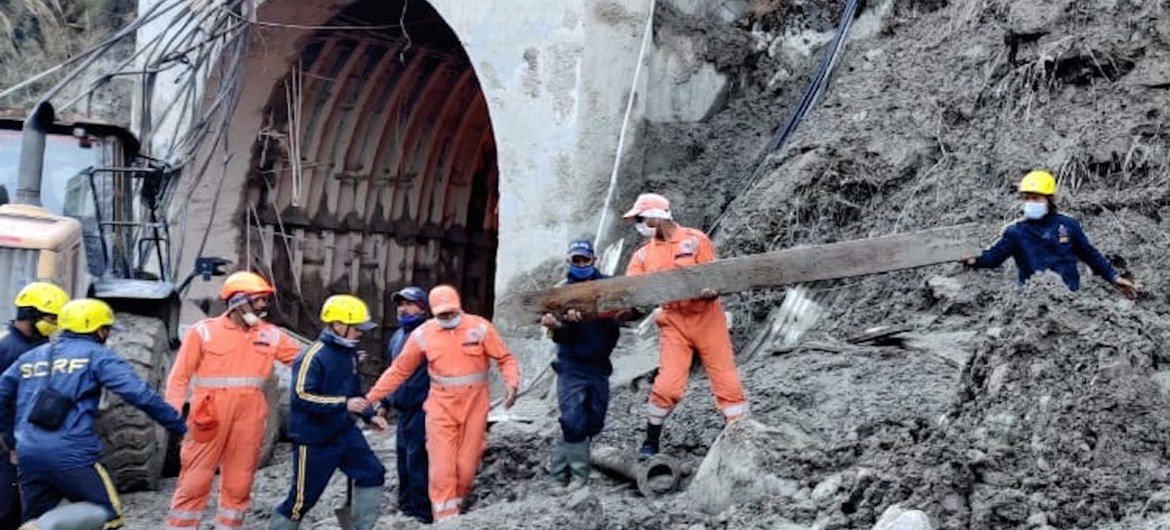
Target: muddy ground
{"x":998,"y":407}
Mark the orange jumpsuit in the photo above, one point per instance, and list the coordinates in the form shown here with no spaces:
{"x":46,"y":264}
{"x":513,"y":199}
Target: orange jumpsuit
{"x":226,"y":367}
{"x":457,"y":405}
{"x":686,"y":326}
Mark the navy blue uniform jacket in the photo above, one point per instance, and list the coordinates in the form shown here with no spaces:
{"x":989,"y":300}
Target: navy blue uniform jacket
{"x":413,"y":392}
{"x":585,"y":346}
{"x":325,"y":376}
{"x":80,"y":368}
{"x":1054,"y":242}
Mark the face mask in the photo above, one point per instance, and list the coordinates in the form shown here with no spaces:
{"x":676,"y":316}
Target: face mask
{"x":581,"y":273}
{"x":1035,"y":210}
{"x":644,"y":229}
{"x":451,"y":323}
{"x":251,"y":319}
{"x":407,"y":321}
{"x":348,"y":343}
{"x":45,"y":328}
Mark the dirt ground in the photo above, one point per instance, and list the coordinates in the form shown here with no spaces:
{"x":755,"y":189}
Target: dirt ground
{"x":998,"y":407}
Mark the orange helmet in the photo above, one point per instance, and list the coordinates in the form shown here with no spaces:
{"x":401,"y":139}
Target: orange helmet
{"x":444,"y":299}
{"x":650,"y":205}
{"x":245,"y":282}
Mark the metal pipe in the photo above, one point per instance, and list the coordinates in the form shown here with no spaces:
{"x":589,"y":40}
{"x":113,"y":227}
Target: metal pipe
{"x":32,"y":154}
{"x":655,"y":476}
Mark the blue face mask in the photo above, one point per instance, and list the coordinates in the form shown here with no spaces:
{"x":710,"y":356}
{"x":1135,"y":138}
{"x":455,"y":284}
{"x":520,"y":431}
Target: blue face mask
{"x":1035,"y":210}
{"x":407,"y":321}
{"x":581,"y":273}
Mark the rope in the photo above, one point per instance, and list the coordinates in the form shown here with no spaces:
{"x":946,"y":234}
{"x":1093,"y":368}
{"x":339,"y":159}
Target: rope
{"x":613,"y":176}
{"x":617,"y":159}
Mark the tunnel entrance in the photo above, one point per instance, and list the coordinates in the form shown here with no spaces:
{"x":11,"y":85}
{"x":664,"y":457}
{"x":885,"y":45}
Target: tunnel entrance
{"x":375,"y":168}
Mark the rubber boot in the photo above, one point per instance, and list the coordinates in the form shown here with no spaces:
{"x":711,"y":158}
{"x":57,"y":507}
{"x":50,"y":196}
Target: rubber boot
{"x":367,"y":505}
{"x":650,"y":445}
{"x":578,"y":465}
{"x":559,"y":466}
{"x":280,"y":522}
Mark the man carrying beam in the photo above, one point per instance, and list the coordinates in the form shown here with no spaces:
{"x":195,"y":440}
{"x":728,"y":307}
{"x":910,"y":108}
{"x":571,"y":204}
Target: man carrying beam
{"x":583,"y":368}
{"x":684,"y":326}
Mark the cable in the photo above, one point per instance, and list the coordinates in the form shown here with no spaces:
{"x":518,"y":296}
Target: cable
{"x":812,"y":93}
{"x":617,"y":159}
{"x":283,"y":25}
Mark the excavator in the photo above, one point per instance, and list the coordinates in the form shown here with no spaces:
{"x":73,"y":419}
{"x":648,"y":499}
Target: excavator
{"x":87,"y":212}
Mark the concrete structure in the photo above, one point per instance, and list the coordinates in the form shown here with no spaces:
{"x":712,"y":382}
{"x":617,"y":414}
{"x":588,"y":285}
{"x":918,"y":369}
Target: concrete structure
{"x":467,"y":146}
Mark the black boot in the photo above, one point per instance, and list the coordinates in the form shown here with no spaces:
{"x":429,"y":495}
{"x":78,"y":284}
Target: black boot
{"x":650,"y":445}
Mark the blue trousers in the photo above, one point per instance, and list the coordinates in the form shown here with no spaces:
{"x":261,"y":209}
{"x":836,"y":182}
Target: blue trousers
{"x":413,"y":496}
{"x":41,"y":492}
{"x":313,"y":466}
{"x":584,"y":399}
{"x":9,"y":494}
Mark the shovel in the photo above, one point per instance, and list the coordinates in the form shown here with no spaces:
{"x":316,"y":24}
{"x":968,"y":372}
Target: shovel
{"x":345,"y":513}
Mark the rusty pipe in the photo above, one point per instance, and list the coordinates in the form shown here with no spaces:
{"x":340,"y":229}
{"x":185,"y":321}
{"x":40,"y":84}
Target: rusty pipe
{"x":655,"y":476}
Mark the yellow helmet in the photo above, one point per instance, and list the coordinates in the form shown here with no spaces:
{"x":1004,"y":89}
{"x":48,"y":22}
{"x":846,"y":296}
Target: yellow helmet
{"x":347,"y":309}
{"x":1038,"y":181}
{"x":86,"y":316}
{"x":42,"y":296}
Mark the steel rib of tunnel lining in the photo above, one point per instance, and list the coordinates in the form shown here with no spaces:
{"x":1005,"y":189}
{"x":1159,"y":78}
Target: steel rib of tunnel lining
{"x":399,"y":174}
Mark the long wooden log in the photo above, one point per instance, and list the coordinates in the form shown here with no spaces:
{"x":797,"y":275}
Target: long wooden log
{"x":772,"y":269}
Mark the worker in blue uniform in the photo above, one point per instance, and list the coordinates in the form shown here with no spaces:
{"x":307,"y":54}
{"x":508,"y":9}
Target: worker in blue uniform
{"x":326,"y":393}
{"x":413,"y":500}
{"x":584,"y":345}
{"x":56,"y":388}
{"x":37,"y":306}
{"x":1048,"y":240}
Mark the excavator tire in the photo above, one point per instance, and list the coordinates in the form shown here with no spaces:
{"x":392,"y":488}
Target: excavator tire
{"x":135,"y":446}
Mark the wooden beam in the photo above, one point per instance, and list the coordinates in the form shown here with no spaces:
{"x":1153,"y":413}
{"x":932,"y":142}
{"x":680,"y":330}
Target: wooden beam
{"x":785,"y":267}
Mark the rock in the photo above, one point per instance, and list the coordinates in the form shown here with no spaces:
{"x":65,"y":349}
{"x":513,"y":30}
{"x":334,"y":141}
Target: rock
{"x":897,"y":518}
{"x":826,"y":488}
{"x":1035,"y":17}
{"x":730,"y":473}
{"x":1038,"y":519}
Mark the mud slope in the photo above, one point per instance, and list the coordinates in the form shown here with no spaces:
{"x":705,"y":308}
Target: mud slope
{"x":1002,"y":407}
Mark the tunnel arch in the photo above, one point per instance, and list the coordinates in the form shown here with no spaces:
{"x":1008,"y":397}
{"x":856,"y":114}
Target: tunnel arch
{"x":375,"y":167}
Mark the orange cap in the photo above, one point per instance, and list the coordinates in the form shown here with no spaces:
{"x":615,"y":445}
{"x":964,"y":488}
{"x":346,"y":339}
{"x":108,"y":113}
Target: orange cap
{"x":650,"y":205}
{"x":444,"y":299}
{"x":245,"y":282}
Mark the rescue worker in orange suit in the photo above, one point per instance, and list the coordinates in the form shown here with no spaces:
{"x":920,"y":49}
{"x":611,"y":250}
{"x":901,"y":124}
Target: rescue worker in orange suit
{"x":326,"y":390}
{"x":37,"y":306}
{"x":407,"y":401}
{"x":225,"y":361}
{"x":456,"y":347}
{"x":686,"y":326}
{"x":56,"y":388}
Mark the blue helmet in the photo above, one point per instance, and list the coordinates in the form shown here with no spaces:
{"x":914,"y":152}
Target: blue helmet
{"x":581,"y":247}
{"x":413,"y":294}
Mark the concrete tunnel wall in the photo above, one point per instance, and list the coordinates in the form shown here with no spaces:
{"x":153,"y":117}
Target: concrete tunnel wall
{"x":554,"y":77}
{"x":546,"y":70}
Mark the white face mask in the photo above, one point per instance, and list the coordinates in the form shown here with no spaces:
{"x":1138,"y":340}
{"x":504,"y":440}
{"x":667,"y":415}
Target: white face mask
{"x":450,"y":323}
{"x":1035,"y":210}
{"x":645,"y":230}
{"x":251,"y":319}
